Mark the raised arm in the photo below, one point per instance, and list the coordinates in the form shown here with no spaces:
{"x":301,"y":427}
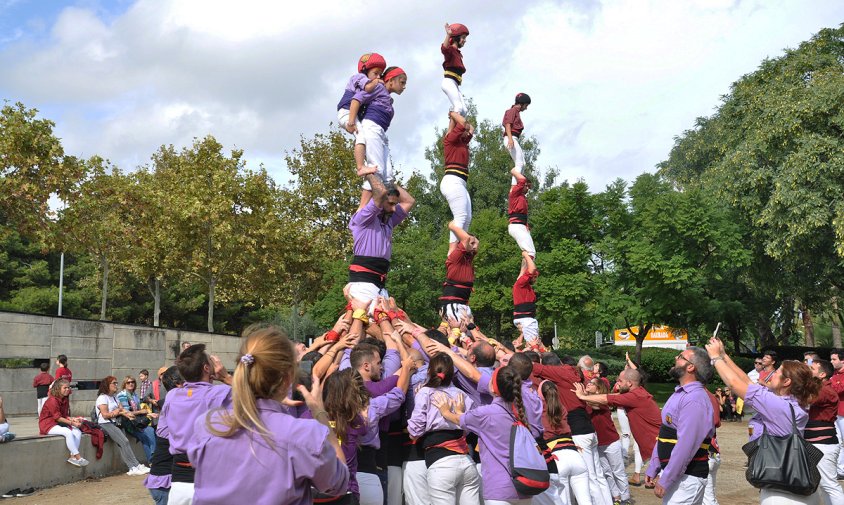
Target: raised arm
{"x":530,"y":266}
{"x":461,"y":234}
{"x":447,"y":40}
{"x":733,"y":376}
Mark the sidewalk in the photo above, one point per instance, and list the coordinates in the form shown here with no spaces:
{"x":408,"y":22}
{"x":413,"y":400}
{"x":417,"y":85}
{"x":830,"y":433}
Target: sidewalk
{"x":23,"y":426}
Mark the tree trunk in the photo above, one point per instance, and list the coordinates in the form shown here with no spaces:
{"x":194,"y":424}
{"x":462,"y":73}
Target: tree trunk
{"x":836,"y":324}
{"x":211,"y":284}
{"x":735,"y":335}
{"x":808,"y":327}
{"x":104,"y":266}
{"x":640,"y":338}
{"x":766,"y":335}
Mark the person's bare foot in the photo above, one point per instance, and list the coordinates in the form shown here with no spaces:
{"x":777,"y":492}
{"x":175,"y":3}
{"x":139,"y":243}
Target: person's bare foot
{"x":365,"y":170}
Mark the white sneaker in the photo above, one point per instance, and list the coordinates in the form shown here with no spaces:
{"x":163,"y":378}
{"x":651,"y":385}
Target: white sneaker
{"x":84,"y":462}
{"x":143,"y":469}
{"x":75,"y":462}
{"x":134,"y":471}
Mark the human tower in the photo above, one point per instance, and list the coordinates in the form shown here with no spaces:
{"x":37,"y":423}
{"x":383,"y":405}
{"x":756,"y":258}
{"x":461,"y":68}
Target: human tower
{"x":366,"y":111}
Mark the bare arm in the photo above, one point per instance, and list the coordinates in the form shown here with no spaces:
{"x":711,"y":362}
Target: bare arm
{"x":531,"y":266}
{"x":354,"y":109}
{"x":447,"y":39}
{"x":405,"y":199}
{"x":368,"y":88}
{"x":730,"y":373}
{"x":459,"y":232}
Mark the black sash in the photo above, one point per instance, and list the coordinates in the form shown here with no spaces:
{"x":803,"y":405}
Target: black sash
{"x":527,"y":309}
{"x":369,"y":269}
{"x":518,"y":218}
{"x":667,"y":440}
{"x":183,"y":471}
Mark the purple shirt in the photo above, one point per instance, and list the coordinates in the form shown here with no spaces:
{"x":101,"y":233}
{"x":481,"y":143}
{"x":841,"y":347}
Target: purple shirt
{"x":472,"y":389}
{"x":355,"y":85}
{"x":184,"y":405}
{"x":379,"y":105}
{"x":773,"y":412}
{"x":379,"y":407}
{"x":244,"y":468}
{"x":530,"y":399}
{"x":374,"y":237}
{"x":689,"y":411}
{"x":426,"y":417}
{"x":492,"y":424}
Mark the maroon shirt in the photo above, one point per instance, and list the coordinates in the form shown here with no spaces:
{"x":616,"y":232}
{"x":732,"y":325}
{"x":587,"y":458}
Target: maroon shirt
{"x":837,"y":383}
{"x":643,"y":414}
{"x":64,"y":373}
{"x":53,"y":409}
{"x":825,"y":407}
{"x":459,"y":267}
{"x":604,"y":426}
{"x":517,"y":202}
{"x":42,"y":379}
{"x":456,"y":150}
{"x":564,"y":376}
{"x":513,"y":117}
{"x":523,"y":290}
{"x":765,"y":376}
{"x":453,"y":59}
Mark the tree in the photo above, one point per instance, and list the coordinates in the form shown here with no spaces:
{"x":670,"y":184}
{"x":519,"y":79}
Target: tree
{"x":33,"y":166}
{"x":227,"y":223}
{"x":96,"y":219}
{"x":774,"y":151}
{"x":677,"y":241}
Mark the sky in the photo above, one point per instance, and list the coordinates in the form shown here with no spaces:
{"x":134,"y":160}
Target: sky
{"x":612,"y":82}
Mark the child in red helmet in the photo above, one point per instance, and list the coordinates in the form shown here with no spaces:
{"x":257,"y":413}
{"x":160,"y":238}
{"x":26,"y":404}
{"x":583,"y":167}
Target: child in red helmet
{"x":372,"y":149}
{"x":453,"y":69}
{"x":370,"y":67}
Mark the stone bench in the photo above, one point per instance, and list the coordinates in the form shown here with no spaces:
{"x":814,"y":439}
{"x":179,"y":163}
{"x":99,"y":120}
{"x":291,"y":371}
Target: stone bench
{"x":40,"y":461}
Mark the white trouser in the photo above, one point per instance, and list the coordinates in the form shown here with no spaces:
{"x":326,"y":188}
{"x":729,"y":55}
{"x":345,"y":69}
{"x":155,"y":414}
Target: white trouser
{"x":416,"y":483}
{"x":41,"y":402}
{"x":598,"y":486}
{"x":550,"y":496}
{"x":777,"y":497}
{"x":457,"y":311}
{"x":517,"y":154}
{"x":627,"y":438}
{"x":455,"y":96}
{"x":181,"y":493}
{"x":574,"y":477}
{"x":454,"y":479}
{"x":343,"y":119}
{"x":829,"y":488}
{"x":529,"y":327}
{"x":839,"y":427}
{"x":72,"y":437}
{"x":371,"y":492}
{"x":4,"y":428}
{"x":394,"y":485}
{"x":526,"y":501}
{"x":612,"y":463}
{"x":688,"y":490}
{"x":366,"y":291}
{"x":709,"y":492}
{"x":453,"y":189}
{"x":521,"y":235}
{"x":377,"y":150}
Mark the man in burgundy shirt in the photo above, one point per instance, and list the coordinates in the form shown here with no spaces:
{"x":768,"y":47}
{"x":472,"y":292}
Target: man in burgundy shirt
{"x":820,"y":432}
{"x":513,"y":127}
{"x":459,"y":276}
{"x":453,"y":183}
{"x":769,"y":366}
{"x":517,"y":213}
{"x":836,"y":358}
{"x":642,"y":411}
{"x":524,"y":304}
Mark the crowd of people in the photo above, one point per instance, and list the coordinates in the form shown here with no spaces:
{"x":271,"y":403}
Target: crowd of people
{"x":381,"y":410}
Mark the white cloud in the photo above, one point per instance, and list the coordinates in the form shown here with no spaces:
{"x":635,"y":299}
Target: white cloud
{"x":612,"y":82}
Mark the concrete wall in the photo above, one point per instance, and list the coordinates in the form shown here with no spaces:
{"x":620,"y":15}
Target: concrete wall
{"x":94,"y":349}
{"x":41,"y":462}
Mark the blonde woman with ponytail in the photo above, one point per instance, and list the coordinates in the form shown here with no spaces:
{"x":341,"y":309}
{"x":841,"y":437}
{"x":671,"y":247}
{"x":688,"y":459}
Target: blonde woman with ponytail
{"x":254,"y":451}
{"x":492,"y":425}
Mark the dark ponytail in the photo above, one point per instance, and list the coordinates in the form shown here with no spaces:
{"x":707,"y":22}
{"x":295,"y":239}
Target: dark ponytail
{"x":440,"y":371}
{"x":509,"y":385}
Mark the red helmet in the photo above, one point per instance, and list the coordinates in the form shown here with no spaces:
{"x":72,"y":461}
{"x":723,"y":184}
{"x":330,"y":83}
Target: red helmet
{"x":371,"y":60}
{"x":457,"y":30}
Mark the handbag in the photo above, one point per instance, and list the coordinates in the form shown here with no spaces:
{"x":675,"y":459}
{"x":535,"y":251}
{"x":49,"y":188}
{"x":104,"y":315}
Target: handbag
{"x":787,"y":463}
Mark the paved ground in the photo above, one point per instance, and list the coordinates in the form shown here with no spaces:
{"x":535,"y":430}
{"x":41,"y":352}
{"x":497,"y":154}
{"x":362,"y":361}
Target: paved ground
{"x":731,"y":487}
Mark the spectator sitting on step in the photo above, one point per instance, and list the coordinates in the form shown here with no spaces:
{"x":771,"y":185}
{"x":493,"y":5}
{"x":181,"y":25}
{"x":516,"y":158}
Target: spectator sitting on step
{"x":139,"y":427}
{"x":144,"y":385}
{"x":55,"y":420}
{"x":108,"y":411}
{"x":5,"y":434}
